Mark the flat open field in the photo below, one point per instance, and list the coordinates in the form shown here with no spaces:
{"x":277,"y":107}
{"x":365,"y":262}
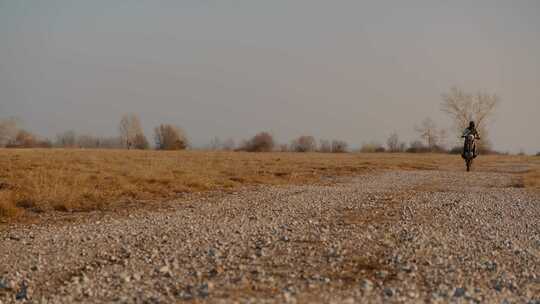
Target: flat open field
{"x":33,"y":182}
{"x":391,"y":229}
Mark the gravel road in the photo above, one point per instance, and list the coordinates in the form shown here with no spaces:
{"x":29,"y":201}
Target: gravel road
{"x":391,"y":237}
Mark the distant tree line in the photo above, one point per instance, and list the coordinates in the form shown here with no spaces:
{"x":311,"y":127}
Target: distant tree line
{"x":461,"y":107}
{"x":131,"y":136}
{"x":264,"y":142}
{"x":13,"y":136}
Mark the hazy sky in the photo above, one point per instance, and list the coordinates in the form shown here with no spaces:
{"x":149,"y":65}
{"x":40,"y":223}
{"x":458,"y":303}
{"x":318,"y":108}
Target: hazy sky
{"x":355,"y":70}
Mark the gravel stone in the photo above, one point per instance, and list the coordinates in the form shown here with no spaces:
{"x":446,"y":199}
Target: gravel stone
{"x":387,"y":237}
{"x":459,"y":292}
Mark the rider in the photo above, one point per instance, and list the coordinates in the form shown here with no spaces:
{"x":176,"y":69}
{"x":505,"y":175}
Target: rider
{"x":471,"y":130}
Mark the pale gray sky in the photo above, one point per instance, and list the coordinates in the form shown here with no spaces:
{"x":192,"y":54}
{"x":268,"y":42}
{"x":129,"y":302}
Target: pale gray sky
{"x":356,"y":70}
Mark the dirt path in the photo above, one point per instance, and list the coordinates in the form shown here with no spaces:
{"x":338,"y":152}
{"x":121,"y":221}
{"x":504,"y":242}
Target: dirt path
{"x":416,"y":236}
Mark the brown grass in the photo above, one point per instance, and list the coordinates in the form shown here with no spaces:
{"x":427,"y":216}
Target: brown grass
{"x":41,"y":180}
{"x":531,"y":179}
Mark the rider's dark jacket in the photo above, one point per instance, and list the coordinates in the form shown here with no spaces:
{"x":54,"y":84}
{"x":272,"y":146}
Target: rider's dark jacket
{"x":472,"y":131}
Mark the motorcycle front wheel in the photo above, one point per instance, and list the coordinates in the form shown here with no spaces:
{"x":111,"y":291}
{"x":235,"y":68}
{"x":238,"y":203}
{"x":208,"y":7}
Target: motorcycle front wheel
{"x":469,"y":164}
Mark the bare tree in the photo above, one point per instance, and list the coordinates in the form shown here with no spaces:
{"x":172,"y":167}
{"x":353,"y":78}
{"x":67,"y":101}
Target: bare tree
{"x":443,"y":138}
{"x":87,"y":142}
{"x":464,"y":107}
{"x":428,"y":132}
{"x":131,"y":132}
{"x":8,"y":130}
{"x":339,"y":146}
{"x":418,"y":147}
{"x":66,"y":139}
{"x":402,"y":146}
{"x":215,"y":144}
{"x":393,"y":144}
{"x":304,"y":144}
{"x":25,"y":139}
{"x":325,"y":146}
{"x":169,"y":137}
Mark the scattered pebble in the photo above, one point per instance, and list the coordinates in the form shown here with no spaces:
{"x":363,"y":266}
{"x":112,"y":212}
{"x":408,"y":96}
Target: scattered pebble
{"x":370,"y":239}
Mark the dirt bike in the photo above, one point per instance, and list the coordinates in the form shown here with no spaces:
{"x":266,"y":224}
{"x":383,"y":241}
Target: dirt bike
{"x":469,"y":153}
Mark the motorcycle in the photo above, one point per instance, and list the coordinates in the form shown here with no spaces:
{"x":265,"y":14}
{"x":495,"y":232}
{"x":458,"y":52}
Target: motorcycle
{"x":469,"y":150}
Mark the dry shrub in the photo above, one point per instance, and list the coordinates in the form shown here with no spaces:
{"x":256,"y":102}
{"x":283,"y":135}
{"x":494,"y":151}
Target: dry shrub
{"x":418,"y":147}
{"x":262,"y":142}
{"x":169,"y":137}
{"x":325,"y":146}
{"x":304,"y":144}
{"x":25,"y":139}
{"x":140,"y":142}
{"x":339,"y":146}
{"x":372,"y":147}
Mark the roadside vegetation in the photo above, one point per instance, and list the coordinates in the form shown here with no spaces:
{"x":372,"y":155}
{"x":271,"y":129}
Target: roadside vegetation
{"x":532,"y":178}
{"x":34,"y":181}
{"x":86,"y":172}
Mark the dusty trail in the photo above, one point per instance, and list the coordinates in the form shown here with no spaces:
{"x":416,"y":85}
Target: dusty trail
{"x":415,"y":236}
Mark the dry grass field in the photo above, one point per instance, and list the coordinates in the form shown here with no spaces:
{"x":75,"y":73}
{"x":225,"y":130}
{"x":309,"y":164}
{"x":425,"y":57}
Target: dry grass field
{"x":42,"y":180}
{"x":532,"y":178}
